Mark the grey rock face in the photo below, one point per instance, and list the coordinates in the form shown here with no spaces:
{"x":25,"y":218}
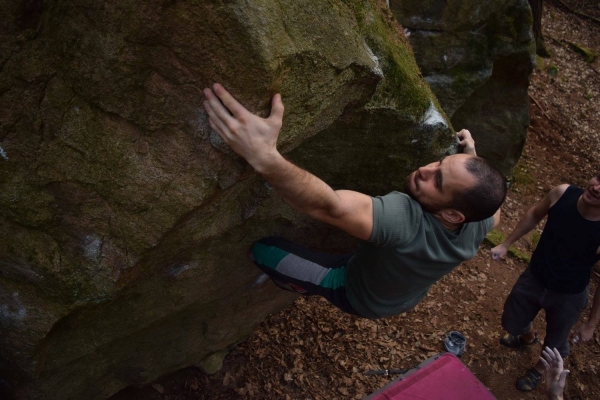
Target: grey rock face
{"x":125,"y":223}
{"x":477,"y":57}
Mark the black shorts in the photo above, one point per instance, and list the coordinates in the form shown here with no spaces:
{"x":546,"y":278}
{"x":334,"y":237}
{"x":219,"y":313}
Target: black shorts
{"x":563,"y":310}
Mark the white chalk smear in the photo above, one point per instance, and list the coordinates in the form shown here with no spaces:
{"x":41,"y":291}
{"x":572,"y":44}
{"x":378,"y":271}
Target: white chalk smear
{"x":92,"y":247}
{"x":377,"y":69}
{"x":15,"y":312}
{"x":11,"y":314}
{"x":201,"y":122}
{"x":261,"y":279}
{"x":3,"y":154}
{"x":433,"y":117}
{"x":178,"y":269}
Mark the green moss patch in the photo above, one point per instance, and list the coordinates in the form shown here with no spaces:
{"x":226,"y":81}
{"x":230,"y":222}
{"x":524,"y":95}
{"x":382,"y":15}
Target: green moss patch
{"x":403,"y":86}
{"x":552,"y":70}
{"x":521,"y":176}
{"x":495,"y":238}
{"x":534,"y":238}
{"x":589,"y":55}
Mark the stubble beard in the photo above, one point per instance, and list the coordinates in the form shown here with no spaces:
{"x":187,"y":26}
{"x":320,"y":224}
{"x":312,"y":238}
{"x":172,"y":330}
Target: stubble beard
{"x":408,"y":189}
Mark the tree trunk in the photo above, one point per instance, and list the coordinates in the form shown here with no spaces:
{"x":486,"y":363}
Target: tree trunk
{"x":536,"y":11}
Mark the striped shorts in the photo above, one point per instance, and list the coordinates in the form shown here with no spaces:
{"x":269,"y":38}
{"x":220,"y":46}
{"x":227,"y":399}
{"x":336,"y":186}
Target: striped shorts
{"x":306,"y":271}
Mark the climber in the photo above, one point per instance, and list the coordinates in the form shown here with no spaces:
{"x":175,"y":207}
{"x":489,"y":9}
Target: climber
{"x":410,"y":240}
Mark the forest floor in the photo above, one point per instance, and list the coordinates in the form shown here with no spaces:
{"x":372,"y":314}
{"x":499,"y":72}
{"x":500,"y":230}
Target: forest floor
{"x":313,"y":351}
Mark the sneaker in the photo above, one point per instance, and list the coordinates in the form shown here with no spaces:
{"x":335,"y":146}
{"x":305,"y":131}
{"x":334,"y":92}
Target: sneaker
{"x":509,"y":340}
{"x":529,"y":381}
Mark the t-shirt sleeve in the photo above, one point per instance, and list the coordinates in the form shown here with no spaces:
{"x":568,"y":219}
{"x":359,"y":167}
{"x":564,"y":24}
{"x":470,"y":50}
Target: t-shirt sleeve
{"x":488,"y":224}
{"x":485,"y":226}
{"x":396,"y":219}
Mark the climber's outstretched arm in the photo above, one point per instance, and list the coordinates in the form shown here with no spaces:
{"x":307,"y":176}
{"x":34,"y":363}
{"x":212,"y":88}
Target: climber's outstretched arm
{"x":255,"y":139}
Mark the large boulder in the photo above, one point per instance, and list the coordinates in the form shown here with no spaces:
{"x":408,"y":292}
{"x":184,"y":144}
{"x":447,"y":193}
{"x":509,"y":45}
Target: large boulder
{"x":125,"y":222}
{"x":477,"y":56}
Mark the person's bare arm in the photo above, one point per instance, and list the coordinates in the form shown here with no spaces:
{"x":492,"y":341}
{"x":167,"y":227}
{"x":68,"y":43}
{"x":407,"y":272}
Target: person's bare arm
{"x":530,"y":219}
{"x":586,"y":331}
{"x":348,"y":210}
{"x":496,"y":218}
{"x":255,"y":139}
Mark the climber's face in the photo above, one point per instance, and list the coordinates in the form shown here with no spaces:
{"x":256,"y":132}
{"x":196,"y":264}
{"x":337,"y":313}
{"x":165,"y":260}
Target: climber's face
{"x":433,"y":185}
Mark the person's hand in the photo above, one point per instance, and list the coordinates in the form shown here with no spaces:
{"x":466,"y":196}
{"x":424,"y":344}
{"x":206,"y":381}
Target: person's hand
{"x":499,"y":252}
{"x":584,"y":333}
{"x":249,"y":135}
{"x":555,"y":375}
{"x":466,"y":141}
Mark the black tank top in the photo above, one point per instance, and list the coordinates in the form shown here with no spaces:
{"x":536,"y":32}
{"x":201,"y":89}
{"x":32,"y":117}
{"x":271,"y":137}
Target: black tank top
{"x":566,"y":253}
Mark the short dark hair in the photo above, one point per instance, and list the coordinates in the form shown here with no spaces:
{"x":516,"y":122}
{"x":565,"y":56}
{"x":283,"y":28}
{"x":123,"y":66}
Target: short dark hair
{"x":485,"y":197}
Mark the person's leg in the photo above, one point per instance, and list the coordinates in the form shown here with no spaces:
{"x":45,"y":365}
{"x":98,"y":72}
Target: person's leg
{"x":562,"y":313}
{"x":304,"y":270}
{"x":520,"y":308}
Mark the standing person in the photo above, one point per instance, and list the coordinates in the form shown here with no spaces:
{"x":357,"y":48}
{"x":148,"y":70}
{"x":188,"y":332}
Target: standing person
{"x":411,"y":240}
{"x":558,"y":276}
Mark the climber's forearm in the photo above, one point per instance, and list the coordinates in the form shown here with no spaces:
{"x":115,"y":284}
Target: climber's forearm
{"x":299,"y":188}
{"x":346,"y":209}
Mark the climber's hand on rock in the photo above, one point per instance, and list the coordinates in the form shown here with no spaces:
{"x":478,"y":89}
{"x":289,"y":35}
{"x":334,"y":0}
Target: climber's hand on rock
{"x":249,"y":135}
{"x":466,"y":141}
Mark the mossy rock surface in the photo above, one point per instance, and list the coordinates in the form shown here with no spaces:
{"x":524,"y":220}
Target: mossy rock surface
{"x":125,"y":221}
{"x":477,"y":57}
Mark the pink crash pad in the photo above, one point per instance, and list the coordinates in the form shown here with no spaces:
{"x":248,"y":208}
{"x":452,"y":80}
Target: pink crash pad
{"x":441,"y":377}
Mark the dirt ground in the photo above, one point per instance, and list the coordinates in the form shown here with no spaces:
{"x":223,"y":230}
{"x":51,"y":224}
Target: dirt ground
{"x":313,"y":351}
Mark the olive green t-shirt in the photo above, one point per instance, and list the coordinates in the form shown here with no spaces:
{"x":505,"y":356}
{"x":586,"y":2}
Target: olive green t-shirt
{"x":408,"y":251}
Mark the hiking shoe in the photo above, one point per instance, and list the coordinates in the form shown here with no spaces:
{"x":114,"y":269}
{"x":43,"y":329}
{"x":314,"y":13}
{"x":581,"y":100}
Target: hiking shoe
{"x":529,"y":381}
{"x":509,"y":340}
